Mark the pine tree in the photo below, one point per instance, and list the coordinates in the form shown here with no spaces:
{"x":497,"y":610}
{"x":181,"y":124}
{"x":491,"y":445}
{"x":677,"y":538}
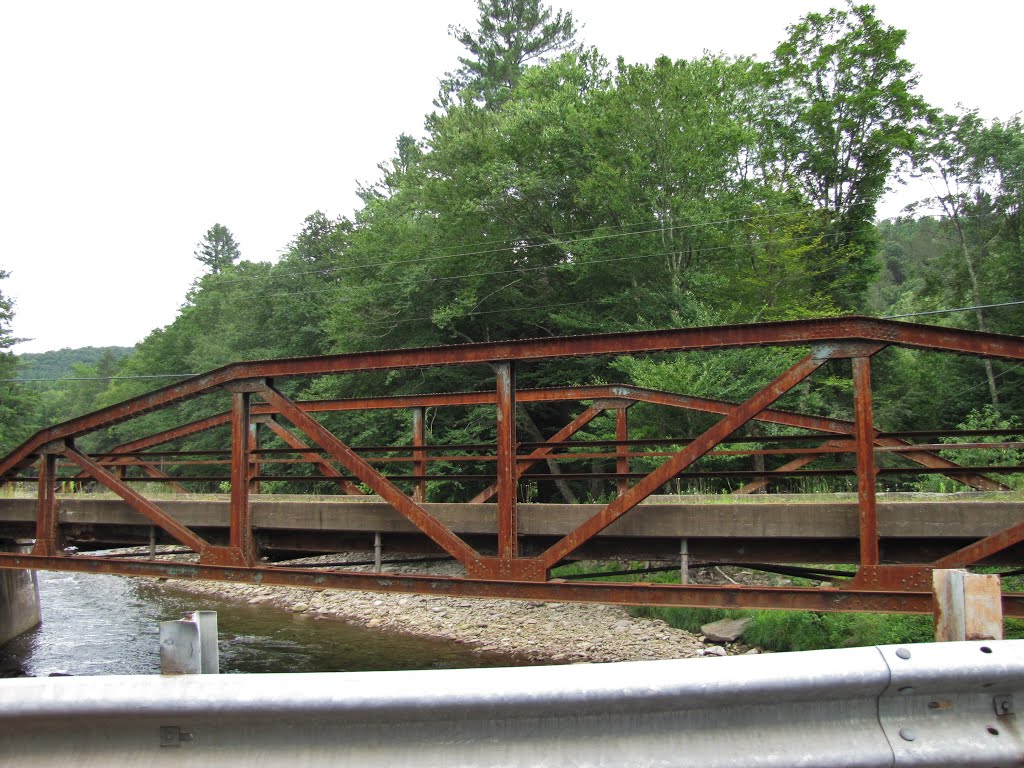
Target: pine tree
{"x":218,"y":249}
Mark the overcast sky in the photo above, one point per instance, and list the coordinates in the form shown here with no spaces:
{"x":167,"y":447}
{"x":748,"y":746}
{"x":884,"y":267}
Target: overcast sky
{"x":129,"y":128}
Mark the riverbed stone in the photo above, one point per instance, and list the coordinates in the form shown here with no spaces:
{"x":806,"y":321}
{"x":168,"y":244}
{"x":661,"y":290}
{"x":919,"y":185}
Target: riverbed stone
{"x":725,"y":630}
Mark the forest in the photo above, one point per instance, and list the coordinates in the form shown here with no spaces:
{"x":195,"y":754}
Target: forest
{"x":553,"y":192}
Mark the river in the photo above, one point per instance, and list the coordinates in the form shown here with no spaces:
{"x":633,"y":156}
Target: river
{"x":109,"y":625}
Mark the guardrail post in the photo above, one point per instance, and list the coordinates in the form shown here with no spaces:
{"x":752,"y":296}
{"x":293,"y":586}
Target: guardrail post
{"x":188,"y":646}
{"x":968,"y":606}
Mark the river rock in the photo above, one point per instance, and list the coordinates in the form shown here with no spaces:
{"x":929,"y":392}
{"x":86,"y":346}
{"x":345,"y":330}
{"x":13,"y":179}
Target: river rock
{"x":725,"y":630}
{"x":715,"y":650}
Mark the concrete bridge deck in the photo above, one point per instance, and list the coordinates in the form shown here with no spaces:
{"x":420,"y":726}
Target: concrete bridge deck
{"x":767,"y":528}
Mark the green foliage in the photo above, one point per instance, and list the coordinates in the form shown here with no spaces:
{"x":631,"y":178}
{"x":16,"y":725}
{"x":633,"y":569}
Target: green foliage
{"x":847,"y":115}
{"x":510,"y":33}
{"x":218,"y":249}
{"x":15,"y":401}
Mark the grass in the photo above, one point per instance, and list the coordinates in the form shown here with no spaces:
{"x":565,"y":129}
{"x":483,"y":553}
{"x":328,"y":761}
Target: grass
{"x":796,"y":630}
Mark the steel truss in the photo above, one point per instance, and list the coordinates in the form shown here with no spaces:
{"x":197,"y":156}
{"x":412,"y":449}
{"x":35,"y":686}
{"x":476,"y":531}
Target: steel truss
{"x":259,"y":402}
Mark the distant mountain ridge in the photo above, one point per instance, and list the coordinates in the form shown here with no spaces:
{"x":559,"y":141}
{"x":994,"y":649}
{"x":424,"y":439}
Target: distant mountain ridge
{"x":58,"y":363}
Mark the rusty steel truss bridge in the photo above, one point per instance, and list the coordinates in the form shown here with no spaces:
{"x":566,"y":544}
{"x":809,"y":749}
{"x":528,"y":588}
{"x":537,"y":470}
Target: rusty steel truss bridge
{"x":508,"y":548}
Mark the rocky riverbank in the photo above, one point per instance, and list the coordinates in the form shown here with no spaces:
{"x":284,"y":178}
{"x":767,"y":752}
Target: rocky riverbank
{"x":542,"y":631}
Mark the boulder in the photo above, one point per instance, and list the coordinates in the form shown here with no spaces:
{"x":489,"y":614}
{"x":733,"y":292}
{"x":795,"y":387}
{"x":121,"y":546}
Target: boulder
{"x":725,"y":630}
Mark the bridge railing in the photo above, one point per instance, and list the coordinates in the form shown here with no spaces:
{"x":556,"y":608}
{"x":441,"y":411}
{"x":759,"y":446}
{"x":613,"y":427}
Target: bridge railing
{"x":260,"y":404}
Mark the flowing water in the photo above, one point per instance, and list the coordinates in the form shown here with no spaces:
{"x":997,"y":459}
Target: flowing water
{"x":109,"y":625}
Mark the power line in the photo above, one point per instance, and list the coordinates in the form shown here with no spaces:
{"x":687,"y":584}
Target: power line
{"x":505,"y":246}
{"x":955,"y":309}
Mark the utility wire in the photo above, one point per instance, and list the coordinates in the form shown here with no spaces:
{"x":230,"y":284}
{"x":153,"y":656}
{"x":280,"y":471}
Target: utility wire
{"x":511,"y":245}
{"x":956,"y":309}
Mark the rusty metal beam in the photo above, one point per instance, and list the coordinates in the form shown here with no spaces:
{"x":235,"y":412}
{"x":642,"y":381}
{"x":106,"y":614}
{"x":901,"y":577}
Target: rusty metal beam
{"x":140,"y":504}
{"x":412,"y":511}
{"x":983,"y":548}
{"x":740,"y":415}
{"x":47,"y":535}
{"x":538,"y":454}
{"x":326,"y":467}
{"x":508,"y":519}
{"x":240,"y":536}
{"x":866,"y":474}
{"x":634,"y":394}
{"x":788,"y":333}
{"x":634,"y":593}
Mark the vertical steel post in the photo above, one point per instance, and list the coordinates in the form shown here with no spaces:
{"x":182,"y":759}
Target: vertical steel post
{"x":508,"y":522}
{"x":621,"y":451}
{"x":419,"y":456}
{"x":241,"y":511}
{"x":378,"y":551}
{"x":864,"y":433}
{"x":46,"y":507}
{"x":254,"y":459}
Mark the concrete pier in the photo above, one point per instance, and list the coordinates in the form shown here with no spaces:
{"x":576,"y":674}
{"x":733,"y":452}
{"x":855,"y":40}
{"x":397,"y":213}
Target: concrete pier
{"x":19,"y":601}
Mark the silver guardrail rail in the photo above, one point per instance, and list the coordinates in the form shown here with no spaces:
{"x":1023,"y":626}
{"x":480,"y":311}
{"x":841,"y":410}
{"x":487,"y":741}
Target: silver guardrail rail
{"x":948,"y":704}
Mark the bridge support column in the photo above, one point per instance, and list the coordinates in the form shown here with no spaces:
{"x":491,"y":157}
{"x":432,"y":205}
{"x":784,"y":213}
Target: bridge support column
{"x":864,"y":431}
{"x":19,"y":600}
{"x":241,"y":538}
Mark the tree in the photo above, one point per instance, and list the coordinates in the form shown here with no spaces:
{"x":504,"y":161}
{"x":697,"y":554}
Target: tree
{"x":510,"y":34}
{"x":15,"y":402}
{"x":846,"y":114}
{"x":218,"y":249}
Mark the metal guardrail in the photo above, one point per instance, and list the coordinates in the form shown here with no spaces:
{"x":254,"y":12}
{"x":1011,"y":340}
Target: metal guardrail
{"x":948,"y":704}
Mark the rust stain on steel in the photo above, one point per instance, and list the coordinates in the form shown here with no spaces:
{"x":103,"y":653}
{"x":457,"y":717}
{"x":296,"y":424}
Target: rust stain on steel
{"x":739,"y":416}
{"x":785,"y":333}
{"x":47,"y":534}
{"x":866,"y":475}
{"x":140,"y":504}
{"x":983,"y":548}
{"x":240,"y":535}
{"x":633,"y":593}
{"x":412,"y":511}
{"x":508,"y":512}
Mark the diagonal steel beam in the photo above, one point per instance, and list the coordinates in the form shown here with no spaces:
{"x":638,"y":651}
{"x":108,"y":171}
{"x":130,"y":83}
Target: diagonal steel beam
{"x":139,"y":503}
{"x":739,"y":416}
{"x":413,"y":512}
{"x":982,"y":548}
{"x":636,"y":394}
{"x":798,"y":463}
{"x":538,"y":454}
{"x":150,"y":470}
{"x":314,"y":458}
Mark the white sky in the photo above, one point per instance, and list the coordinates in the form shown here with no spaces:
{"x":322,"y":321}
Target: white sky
{"x":128,"y":128}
